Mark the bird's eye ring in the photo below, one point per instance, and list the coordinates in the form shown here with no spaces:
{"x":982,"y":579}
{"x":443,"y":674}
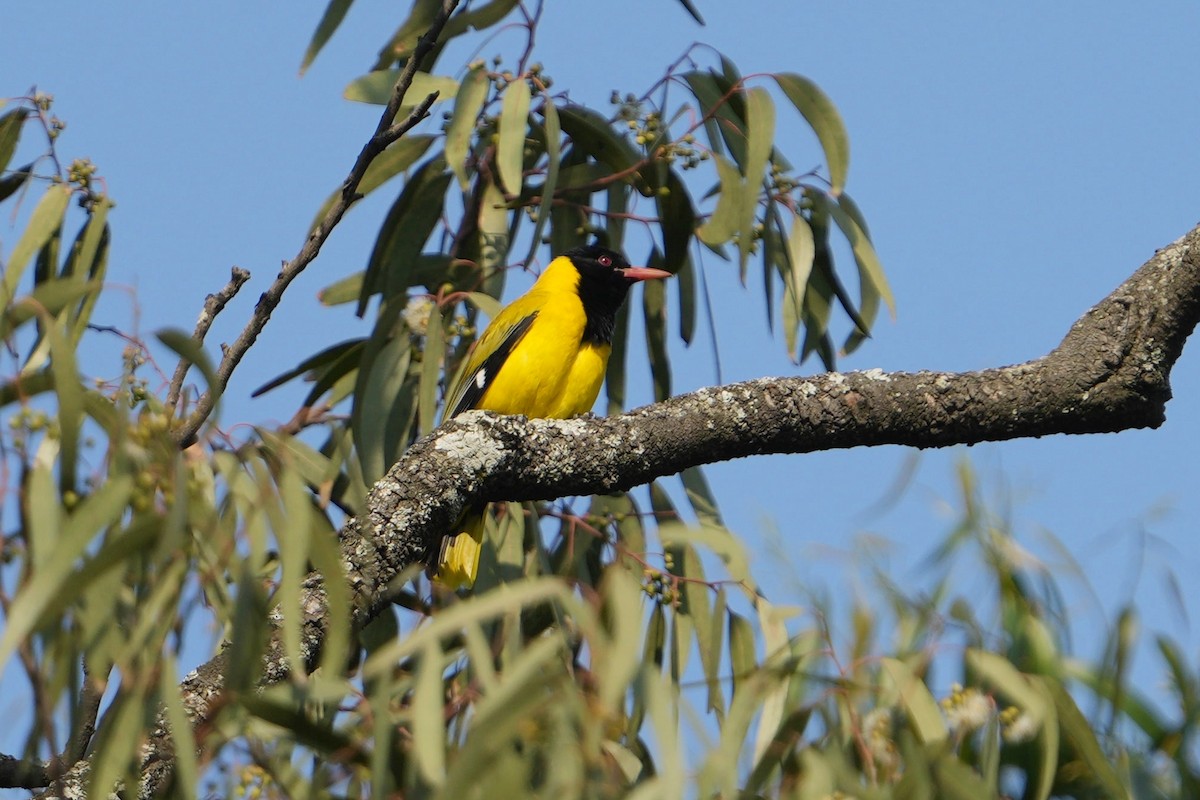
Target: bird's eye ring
{"x":604,"y":261}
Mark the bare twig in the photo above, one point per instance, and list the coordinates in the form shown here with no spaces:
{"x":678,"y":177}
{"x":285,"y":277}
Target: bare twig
{"x":386,"y":132}
{"x":213,"y":304}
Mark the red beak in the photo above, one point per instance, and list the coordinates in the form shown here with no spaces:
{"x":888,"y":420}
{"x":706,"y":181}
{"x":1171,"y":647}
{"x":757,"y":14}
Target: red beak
{"x":644,"y":273}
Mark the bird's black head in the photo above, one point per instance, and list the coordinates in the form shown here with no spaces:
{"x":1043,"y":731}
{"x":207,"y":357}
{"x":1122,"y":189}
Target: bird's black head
{"x":598,"y":262}
{"x":603,"y":286}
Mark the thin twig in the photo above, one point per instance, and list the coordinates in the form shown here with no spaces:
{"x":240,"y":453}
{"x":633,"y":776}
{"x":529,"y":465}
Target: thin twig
{"x":213,"y":304}
{"x":386,"y":132}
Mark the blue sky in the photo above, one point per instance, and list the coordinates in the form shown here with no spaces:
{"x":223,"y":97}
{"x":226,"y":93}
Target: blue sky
{"x":1015,"y":162}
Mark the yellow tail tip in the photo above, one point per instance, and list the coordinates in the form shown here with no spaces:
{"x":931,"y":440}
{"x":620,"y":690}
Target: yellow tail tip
{"x":458,"y":565}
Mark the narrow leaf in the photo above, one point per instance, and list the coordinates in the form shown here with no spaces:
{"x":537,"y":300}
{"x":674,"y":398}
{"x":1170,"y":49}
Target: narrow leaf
{"x":47,"y":218}
{"x":335,"y":12}
{"x":56,"y":581}
{"x":428,"y":726}
{"x":70,"y":402}
{"x":10,"y":134}
{"x":188,"y":348}
{"x":742,"y":658}
{"x":431,"y":370}
{"x":376,"y":88}
{"x":823,"y":117}
{"x":472,"y":92}
{"x":917,"y":701}
{"x":655,"y":315}
{"x":514,"y":125}
{"x":553,"y":157}
{"x":1081,"y":735}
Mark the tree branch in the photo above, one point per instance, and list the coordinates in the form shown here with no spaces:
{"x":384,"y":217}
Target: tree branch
{"x":1110,"y":373}
{"x":386,"y":132}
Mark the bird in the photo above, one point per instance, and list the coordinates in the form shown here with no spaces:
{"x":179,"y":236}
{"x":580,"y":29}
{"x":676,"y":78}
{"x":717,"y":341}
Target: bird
{"x":544,"y":356}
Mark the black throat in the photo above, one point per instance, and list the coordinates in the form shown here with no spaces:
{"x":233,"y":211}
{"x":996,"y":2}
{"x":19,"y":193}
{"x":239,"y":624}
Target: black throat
{"x":602,"y":295}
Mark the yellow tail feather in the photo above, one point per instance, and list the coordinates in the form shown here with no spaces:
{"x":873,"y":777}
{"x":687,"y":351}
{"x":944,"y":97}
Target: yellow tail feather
{"x":458,"y":564}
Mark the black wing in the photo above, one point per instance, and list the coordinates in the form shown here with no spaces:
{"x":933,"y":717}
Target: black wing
{"x":477,"y":381}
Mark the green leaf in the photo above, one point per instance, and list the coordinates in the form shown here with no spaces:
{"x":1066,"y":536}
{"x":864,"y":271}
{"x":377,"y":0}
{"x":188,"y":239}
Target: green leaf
{"x":335,"y":12}
{"x":383,"y":407}
{"x":407,"y":226}
{"x":505,"y":599}
{"x":691,"y":9}
{"x":623,"y":613}
{"x":87,"y":260}
{"x":725,"y":220}
{"x":377,"y":87}
{"x":916,"y":700}
{"x":1081,"y":735}
{"x":489,"y":305}
{"x":477,"y":17}
{"x":591,"y":134}
{"x":70,"y":402}
{"x":711,"y":650}
{"x":398,"y":157}
{"x":293,"y":532}
{"x":401,"y":43}
{"x":120,"y":739}
{"x":248,"y":633}
{"x":50,"y":297}
{"x":722,"y":106}
{"x":818,"y":295}
{"x":823,"y":117}
{"x":493,"y":233}
{"x":428,"y":726}
{"x":568,"y":219}
{"x":775,"y":641}
{"x":872,"y":281}
{"x":678,"y":222}
{"x":10,"y":134}
{"x":801,"y":252}
{"x":189,"y":349}
{"x":798,"y":258}
{"x":472,"y":93}
{"x":12,"y":182}
{"x":957,"y":781}
{"x":187,"y":770}
{"x":316,"y":362}
{"x":326,"y":558}
{"x":44,"y":515}
{"x":47,"y":218}
{"x":742,"y":657}
{"x":431,"y":369}
{"x":653,"y":651}
{"x":512,"y":130}
{"x":701,"y":496}
{"x":553,"y":157}
{"x":57,"y":582}
{"x":614,"y":375}
{"x":998,"y":672}
{"x":654,"y":302}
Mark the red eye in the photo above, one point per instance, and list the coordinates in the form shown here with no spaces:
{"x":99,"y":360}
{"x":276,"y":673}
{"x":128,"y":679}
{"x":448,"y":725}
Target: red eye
{"x":605,"y":261}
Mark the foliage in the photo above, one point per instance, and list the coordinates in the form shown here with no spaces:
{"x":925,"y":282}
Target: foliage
{"x":607,"y":650}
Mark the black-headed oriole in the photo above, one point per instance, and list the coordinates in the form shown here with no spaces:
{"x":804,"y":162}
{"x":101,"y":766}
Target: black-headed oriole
{"x":544,"y":355}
